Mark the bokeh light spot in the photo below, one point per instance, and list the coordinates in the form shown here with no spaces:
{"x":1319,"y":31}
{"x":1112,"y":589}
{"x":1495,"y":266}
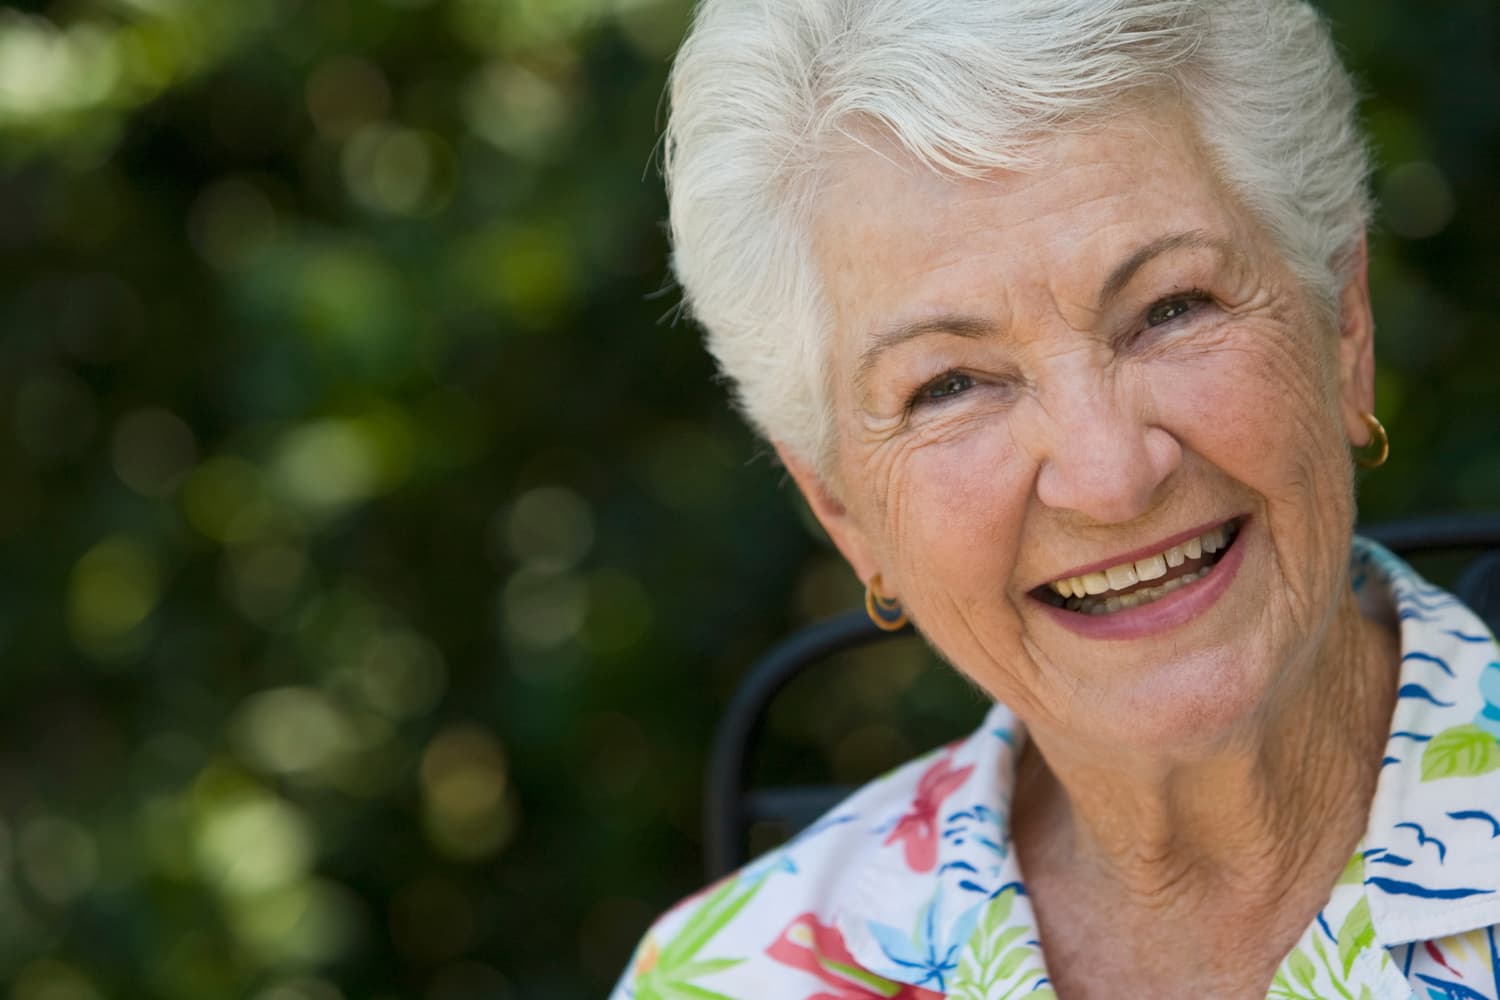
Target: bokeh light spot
{"x":58,"y":857}
{"x":264,"y":580}
{"x":550,"y":528}
{"x":153,"y":450}
{"x":1416,"y":200}
{"x":348,"y":299}
{"x":468,"y":808}
{"x":516,"y":110}
{"x":218,"y":492}
{"x":543,"y":610}
{"x":653,"y":26}
{"x":45,"y":71}
{"x":301,"y":988}
{"x":114,"y":587}
{"x":50,"y":979}
{"x":402,"y":674}
{"x":328,"y":464}
{"x":252,"y":842}
{"x":688,"y":467}
{"x":535,"y":276}
{"x":308,"y":922}
{"x":398,"y":171}
{"x":230,"y":222}
{"x":345,"y":92}
{"x":292,"y":730}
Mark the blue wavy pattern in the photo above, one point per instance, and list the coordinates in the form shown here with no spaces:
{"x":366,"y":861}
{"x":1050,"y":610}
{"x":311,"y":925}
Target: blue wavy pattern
{"x":1418,"y":691}
{"x":1391,"y":859}
{"x":1429,"y":658}
{"x":1446,"y":989}
{"x":1398,"y":888}
{"x":1479,"y":814}
{"x":1435,"y":601}
{"x":1423,"y":840}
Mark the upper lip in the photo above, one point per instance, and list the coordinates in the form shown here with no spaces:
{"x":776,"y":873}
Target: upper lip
{"x":1139,"y":553}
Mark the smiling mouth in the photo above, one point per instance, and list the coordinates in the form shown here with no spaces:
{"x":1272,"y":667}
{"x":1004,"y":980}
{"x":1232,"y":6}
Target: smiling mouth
{"x":1132,"y":584}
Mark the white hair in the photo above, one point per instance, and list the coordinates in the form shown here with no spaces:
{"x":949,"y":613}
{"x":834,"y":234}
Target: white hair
{"x":762,"y":90}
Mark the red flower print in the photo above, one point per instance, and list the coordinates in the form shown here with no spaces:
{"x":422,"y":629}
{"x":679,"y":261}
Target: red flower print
{"x":918,"y":829}
{"x":1437,"y":957}
{"x":813,"y":946}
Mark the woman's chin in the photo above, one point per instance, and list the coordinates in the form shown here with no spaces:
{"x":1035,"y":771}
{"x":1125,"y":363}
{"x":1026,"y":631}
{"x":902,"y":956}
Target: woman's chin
{"x":1192,"y":708}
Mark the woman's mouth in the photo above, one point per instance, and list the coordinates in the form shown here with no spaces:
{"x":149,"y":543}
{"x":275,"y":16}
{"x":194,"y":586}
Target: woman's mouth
{"x":1132,"y":584}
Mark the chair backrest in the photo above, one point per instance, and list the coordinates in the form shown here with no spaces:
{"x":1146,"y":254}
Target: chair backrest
{"x":731,"y":807}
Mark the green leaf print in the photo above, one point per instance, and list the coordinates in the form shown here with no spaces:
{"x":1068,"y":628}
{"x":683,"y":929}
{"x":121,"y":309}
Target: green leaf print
{"x":1355,"y":935}
{"x":1332,"y":976}
{"x":1460,"y":752}
{"x":1354,"y":871}
{"x":991,"y":959}
{"x":669,"y":974}
{"x":715,"y":912}
{"x":1302,"y":967}
{"x":1011,"y":962}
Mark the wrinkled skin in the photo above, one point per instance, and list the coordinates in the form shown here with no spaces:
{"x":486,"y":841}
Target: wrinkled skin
{"x":1029,"y":420}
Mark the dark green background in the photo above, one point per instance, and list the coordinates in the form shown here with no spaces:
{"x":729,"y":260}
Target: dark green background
{"x":377,"y":551}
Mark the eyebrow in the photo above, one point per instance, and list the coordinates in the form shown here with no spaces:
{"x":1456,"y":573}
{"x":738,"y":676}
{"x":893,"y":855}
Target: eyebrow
{"x":958,"y":326}
{"x":1194,"y":239}
{"x":974,"y":327}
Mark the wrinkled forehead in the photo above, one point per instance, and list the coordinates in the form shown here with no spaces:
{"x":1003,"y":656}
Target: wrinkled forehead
{"x":893,"y":238}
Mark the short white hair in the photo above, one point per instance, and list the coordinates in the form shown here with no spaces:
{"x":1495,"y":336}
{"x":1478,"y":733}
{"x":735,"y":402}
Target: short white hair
{"x":763,"y":90}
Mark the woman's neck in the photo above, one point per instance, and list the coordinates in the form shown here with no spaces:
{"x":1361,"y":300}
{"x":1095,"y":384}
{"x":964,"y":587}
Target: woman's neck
{"x":1268,"y":815}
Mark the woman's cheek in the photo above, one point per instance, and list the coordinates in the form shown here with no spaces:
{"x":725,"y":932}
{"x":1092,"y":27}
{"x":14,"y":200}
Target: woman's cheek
{"x":964,"y":502}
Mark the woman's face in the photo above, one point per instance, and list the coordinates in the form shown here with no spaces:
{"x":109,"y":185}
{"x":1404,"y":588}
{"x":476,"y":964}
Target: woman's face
{"x":1052,"y":375}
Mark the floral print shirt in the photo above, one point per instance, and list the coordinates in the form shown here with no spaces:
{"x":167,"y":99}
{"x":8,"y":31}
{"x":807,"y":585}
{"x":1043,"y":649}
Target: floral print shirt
{"x":910,"y":890}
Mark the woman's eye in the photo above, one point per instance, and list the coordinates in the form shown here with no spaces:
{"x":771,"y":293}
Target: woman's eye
{"x":1169,"y":309}
{"x":942,"y":387}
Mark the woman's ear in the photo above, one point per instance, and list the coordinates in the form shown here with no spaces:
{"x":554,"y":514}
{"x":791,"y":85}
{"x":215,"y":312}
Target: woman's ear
{"x":835,"y":517}
{"x":1356,"y":350}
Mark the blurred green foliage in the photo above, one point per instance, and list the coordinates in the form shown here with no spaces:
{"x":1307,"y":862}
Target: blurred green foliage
{"x":377,"y":557}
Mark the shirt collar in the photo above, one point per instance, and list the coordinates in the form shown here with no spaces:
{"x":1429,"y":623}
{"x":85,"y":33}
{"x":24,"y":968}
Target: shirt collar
{"x":1432,"y":845}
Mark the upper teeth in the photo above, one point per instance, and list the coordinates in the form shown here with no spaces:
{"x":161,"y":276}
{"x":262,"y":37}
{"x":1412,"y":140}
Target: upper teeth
{"x":1155,"y":567}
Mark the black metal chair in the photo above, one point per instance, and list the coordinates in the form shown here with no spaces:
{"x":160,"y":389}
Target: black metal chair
{"x":730,"y":807}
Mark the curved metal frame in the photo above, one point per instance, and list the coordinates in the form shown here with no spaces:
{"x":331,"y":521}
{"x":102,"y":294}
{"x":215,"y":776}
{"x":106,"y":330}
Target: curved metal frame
{"x":729,"y":809}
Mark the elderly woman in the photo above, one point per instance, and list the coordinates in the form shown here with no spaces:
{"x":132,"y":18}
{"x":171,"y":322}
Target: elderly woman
{"x":1056,"y":311}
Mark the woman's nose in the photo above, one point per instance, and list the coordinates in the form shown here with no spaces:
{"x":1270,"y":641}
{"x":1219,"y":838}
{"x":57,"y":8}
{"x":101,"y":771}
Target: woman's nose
{"x":1103,"y":458}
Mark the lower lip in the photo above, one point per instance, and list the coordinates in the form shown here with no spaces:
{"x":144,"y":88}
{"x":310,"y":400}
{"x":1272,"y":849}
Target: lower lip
{"x":1164,"y":614}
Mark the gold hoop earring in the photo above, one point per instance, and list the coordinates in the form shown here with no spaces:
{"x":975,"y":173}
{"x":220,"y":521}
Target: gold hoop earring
{"x":1379,"y":448}
{"x":886,"y":612}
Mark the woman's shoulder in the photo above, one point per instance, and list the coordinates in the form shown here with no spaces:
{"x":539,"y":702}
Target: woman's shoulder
{"x":791,"y":914}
